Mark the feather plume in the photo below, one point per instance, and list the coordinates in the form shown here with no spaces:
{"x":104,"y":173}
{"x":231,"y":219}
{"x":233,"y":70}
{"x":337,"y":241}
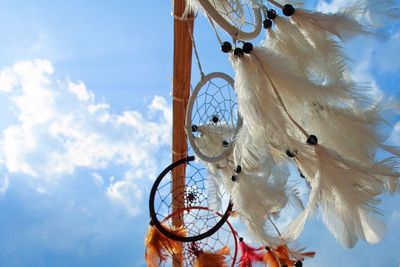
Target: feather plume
{"x":338,"y":184}
{"x":210,"y":143}
{"x":342,"y":24}
{"x":282,"y":255}
{"x":209,"y":259}
{"x":270,"y":260}
{"x":346,"y":192}
{"x":375,"y":13}
{"x":319,"y":67}
{"x":249,"y":255}
{"x":267,"y":122}
{"x":159,"y":247}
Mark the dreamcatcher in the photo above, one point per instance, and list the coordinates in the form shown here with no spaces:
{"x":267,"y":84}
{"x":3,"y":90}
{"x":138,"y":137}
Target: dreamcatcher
{"x":212,"y":119}
{"x":293,"y":102}
{"x":298,"y":102}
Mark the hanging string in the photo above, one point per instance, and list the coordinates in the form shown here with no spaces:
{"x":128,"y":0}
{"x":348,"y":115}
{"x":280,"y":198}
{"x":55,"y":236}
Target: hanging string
{"x":196,"y":53}
{"x":215,"y":29}
{"x":275,"y":3}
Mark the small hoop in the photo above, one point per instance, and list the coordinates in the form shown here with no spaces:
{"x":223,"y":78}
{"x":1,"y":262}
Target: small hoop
{"x":218,"y":101}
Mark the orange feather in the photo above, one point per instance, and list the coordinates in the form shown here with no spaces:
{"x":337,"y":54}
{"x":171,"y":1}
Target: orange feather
{"x":270,"y":260}
{"x":283,"y":254}
{"x":208,"y":259}
{"x":158,"y":246}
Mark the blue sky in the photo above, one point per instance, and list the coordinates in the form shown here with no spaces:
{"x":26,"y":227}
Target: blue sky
{"x":85,"y":129}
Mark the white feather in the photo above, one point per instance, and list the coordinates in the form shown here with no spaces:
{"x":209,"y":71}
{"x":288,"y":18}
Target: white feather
{"x":295,"y":228}
{"x":347,"y":194}
{"x":375,"y":13}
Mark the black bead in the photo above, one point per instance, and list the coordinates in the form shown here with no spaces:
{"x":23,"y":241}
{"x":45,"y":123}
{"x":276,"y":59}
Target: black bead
{"x":267,"y":248}
{"x":312,"y":140}
{"x":291,"y":153}
{"x":215,"y":119}
{"x":248,"y":47}
{"x":288,"y":10}
{"x":234,"y":178}
{"x":302,"y":175}
{"x":225,"y":143}
{"x":299,"y":264}
{"x":238,"y":52}
{"x":267,"y":23}
{"x":194,"y":128}
{"x":271,"y":14}
{"x":151,"y":223}
{"x":238,"y":169}
{"x":226,"y":47}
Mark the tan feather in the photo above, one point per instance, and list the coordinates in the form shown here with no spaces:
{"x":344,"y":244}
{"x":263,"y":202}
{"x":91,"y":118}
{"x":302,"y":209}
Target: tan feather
{"x":210,"y":259}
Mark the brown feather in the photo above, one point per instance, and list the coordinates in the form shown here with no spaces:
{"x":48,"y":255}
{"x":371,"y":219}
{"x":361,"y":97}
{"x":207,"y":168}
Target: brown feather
{"x":270,"y":260}
{"x":159,"y":247}
{"x":209,"y":259}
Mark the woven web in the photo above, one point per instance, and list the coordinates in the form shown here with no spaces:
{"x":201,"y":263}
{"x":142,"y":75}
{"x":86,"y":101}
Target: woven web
{"x":197,"y":191}
{"x":238,"y":13}
{"x":215,"y":107}
{"x":225,"y":236}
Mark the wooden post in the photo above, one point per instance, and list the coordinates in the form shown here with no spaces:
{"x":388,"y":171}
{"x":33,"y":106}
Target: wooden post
{"x":181,"y":91}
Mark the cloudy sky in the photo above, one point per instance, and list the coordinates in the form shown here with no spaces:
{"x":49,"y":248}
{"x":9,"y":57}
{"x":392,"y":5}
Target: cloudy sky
{"x":85,"y":128}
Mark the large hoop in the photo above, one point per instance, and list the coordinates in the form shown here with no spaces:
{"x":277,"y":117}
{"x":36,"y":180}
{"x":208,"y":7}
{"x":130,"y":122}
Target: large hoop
{"x":239,"y":28}
{"x":199,"y":225}
{"x":212,"y":118}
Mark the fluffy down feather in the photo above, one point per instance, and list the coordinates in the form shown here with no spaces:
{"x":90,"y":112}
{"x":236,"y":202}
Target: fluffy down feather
{"x":271,"y":94}
{"x":249,"y":255}
{"x":346,"y":193}
{"x":265,"y":190}
{"x":285,"y":256}
{"x":159,"y":247}
{"x":319,"y":67}
{"x":209,"y":259}
{"x":210,"y":143}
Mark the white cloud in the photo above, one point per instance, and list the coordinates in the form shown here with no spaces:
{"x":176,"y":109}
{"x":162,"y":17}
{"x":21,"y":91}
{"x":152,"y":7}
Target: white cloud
{"x":61,"y":127}
{"x":79,"y":89}
{"x":127,"y":194}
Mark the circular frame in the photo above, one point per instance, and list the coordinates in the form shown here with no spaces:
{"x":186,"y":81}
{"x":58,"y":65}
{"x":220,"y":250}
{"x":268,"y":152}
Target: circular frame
{"x":157,"y":222}
{"x":232,"y":30}
{"x":189,"y":112}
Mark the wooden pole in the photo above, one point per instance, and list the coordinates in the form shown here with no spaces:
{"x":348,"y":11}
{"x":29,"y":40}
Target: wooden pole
{"x":181,"y":91}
